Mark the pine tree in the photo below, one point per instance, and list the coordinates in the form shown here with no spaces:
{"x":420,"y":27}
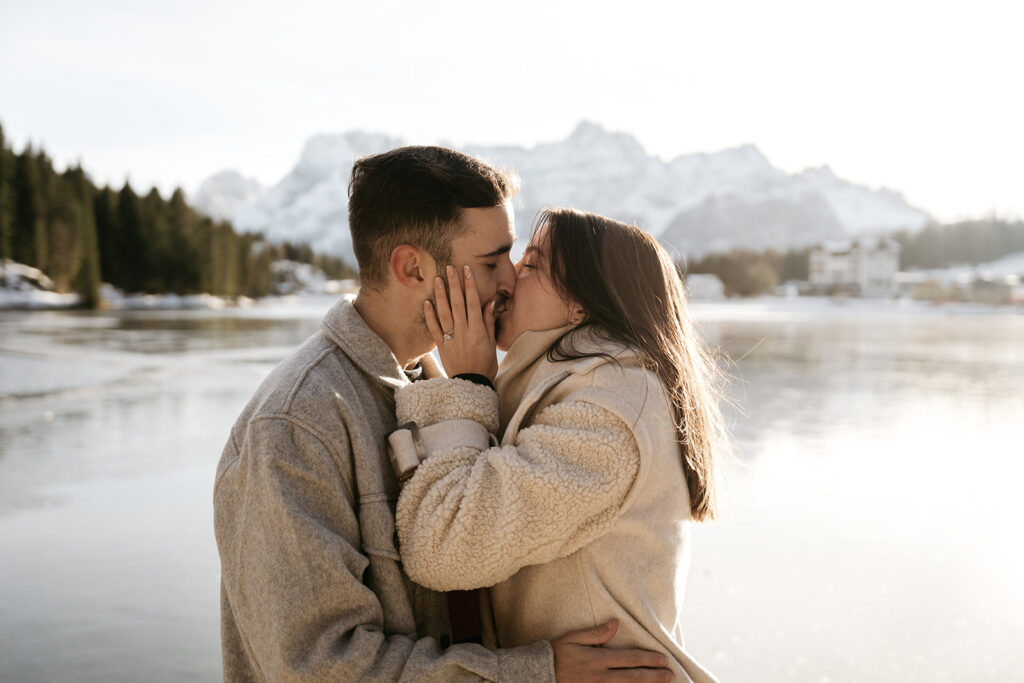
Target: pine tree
{"x":104,"y":206}
{"x":796,"y":265}
{"x":6,"y":208}
{"x":29,"y":229}
{"x":183,"y":265}
{"x":87,"y":281}
{"x":226,"y":258}
{"x":129,"y":245}
{"x":257,"y":256}
{"x":62,"y":229}
{"x":158,"y":248}
{"x":48,"y":196}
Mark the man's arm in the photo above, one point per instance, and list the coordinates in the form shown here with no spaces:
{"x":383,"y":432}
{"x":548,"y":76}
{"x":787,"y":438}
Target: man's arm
{"x":297,"y":579}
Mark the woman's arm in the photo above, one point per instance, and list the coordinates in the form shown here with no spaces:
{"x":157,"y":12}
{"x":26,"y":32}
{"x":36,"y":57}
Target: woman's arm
{"x":470,"y":518}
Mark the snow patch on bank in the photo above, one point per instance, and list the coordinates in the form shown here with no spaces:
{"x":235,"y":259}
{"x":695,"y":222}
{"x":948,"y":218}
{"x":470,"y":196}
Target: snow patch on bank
{"x":23,"y":286}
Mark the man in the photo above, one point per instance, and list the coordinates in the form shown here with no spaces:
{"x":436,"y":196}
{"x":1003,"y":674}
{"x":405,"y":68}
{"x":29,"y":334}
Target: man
{"x":312,"y":586}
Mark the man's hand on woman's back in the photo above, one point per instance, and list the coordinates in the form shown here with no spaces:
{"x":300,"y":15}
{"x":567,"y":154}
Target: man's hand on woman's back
{"x":580,"y":659}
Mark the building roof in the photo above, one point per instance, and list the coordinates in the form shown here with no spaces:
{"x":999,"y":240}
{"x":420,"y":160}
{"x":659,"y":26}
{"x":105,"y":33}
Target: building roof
{"x":870,"y":243}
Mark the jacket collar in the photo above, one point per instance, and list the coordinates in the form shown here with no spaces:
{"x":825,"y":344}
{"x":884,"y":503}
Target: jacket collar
{"x":525,"y":370}
{"x":345,"y":327}
{"x":524,"y":358}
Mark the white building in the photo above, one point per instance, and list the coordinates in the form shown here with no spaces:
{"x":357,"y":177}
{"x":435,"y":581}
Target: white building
{"x":865,"y":266}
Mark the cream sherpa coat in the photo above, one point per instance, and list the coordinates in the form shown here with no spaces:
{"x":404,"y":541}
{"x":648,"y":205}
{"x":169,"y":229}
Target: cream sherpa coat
{"x":580,"y":515}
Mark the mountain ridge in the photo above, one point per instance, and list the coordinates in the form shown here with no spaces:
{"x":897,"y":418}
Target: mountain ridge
{"x":694,"y":203}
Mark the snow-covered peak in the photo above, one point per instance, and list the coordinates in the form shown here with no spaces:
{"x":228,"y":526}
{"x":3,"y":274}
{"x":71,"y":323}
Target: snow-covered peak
{"x":860,"y":209}
{"x":590,"y":143}
{"x":310,"y":204}
{"x":586,"y":131}
{"x":223,"y":194}
{"x":747,"y":157}
{"x":695,"y":202}
{"x":588,"y":138}
{"x":820,"y":175}
{"x":325,"y":153}
{"x":744,"y":164}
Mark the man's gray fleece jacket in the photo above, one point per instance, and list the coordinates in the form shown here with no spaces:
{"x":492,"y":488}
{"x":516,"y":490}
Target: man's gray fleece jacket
{"x":312,"y":587}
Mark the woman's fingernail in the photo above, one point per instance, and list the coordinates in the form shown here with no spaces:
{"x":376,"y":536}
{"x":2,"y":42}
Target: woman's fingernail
{"x":469,"y":273}
{"x":438,"y":280}
{"x":426,"y":304}
{"x":451,"y":271}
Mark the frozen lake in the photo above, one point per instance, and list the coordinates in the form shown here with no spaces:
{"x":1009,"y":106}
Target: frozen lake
{"x":872,"y":533}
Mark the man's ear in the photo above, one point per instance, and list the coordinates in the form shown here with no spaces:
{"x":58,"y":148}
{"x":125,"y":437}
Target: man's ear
{"x":411,"y":267}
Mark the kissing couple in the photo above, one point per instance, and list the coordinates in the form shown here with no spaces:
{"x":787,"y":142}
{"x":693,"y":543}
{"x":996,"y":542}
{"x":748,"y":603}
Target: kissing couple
{"x":383,"y":517}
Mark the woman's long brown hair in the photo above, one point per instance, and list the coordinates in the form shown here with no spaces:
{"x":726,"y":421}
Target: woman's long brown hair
{"x":632,"y":293}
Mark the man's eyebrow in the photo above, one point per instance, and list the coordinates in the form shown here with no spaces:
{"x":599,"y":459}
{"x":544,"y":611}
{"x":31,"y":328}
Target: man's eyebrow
{"x":504,"y":249}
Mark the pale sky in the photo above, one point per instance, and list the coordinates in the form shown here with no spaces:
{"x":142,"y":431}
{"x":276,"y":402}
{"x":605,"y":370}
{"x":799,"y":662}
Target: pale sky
{"x":926,"y":98}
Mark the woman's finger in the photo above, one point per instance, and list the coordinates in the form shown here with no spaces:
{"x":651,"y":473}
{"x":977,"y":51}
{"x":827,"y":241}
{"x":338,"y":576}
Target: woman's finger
{"x":444,"y":312}
{"x":456,"y":298}
{"x":473,"y":314}
{"x":432,"y":324}
{"x":489,"y":320}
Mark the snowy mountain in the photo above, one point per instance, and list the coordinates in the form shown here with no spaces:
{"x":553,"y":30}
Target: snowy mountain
{"x":223,"y":195}
{"x":755,"y":221}
{"x":695,"y":203}
{"x":310,"y":204}
{"x":858,"y":208}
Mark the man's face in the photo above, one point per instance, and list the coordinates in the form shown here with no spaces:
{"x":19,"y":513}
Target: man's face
{"x":485,"y":248}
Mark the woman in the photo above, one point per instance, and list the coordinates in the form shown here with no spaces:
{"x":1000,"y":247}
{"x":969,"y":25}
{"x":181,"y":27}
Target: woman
{"x":607,"y":415}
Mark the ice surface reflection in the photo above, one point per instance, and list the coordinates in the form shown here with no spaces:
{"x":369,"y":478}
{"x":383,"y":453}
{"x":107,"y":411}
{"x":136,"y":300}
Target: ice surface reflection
{"x":871,"y":533}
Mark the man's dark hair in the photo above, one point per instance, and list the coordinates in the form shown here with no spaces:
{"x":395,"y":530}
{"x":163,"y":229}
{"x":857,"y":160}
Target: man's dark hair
{"x":415,"y":195}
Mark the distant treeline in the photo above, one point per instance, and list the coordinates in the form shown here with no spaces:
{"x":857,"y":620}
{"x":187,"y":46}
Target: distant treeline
{"x":966,"y":242}
{"x":746,"y":272}
{"x":81,"y":235}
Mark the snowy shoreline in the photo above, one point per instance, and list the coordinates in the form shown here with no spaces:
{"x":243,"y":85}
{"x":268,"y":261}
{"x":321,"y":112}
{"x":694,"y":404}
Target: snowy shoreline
{"x":810,"y":306}
{"x":26,"y":288}
{"x":754,"y":307}
{"x":23,"y":288}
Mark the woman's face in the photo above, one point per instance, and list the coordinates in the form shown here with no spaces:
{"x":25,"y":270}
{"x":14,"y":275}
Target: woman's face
{"x":535,"y":305}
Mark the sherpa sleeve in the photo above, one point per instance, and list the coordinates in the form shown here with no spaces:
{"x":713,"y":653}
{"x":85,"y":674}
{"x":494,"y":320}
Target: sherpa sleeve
{"x":299,"y":586}
{"x":470,"y":518}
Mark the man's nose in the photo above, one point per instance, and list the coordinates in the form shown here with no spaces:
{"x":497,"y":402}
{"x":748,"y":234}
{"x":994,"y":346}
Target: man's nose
{"x":506,"y":277}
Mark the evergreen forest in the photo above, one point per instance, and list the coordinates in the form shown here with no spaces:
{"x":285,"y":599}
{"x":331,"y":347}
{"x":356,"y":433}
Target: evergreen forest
{"x":80,"y":235}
